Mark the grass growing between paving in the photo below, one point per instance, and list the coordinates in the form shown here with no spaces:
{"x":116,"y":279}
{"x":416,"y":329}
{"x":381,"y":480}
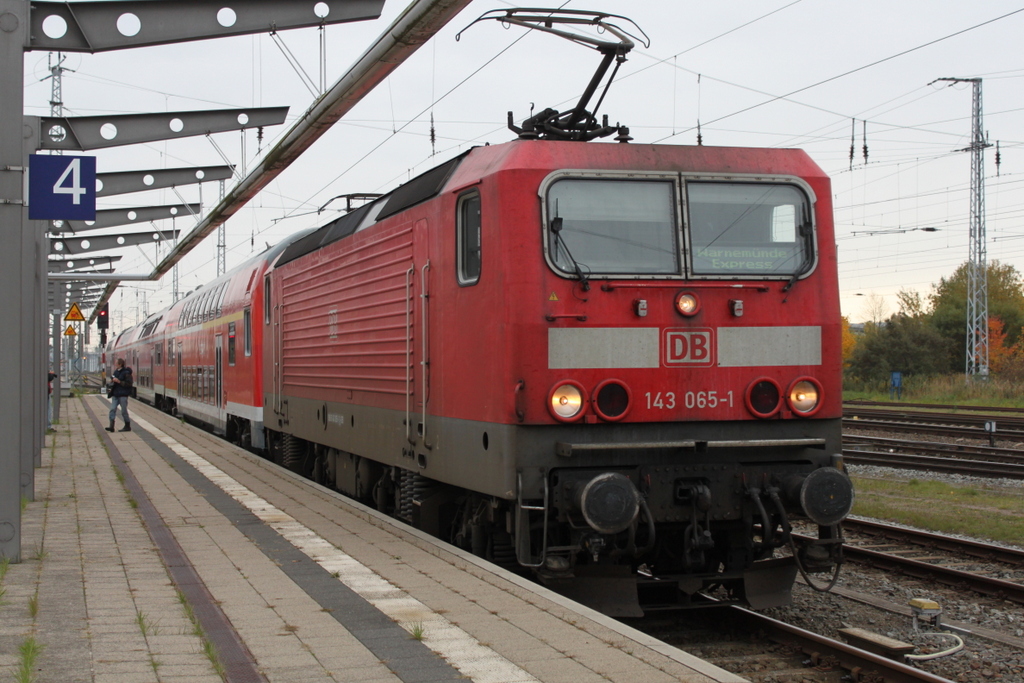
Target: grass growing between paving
{"x":982,"y":512}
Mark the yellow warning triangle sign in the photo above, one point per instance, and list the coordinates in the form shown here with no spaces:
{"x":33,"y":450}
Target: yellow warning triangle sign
{"x":74,"y":315}
{"x":553,"y":297}
{"x":70,"y":332}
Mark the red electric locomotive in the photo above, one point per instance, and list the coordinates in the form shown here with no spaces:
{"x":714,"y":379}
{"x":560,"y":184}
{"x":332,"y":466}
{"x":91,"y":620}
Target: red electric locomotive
{"x":615,"y":365}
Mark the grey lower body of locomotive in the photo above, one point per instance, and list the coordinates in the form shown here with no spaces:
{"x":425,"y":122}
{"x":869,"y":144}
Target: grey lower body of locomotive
{"x":687,"y":475}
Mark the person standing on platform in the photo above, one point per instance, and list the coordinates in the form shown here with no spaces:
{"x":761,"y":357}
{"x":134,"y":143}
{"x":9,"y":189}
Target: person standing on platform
{"x":120,"y":390}
{"x":50,"y":376}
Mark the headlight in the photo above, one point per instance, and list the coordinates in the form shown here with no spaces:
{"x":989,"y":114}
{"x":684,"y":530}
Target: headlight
{"x":687,"y":304}
{"x":566,"y":401}
{"x":764,"y":397}
{"x":611,"y":400}
{"x":805,"y":396}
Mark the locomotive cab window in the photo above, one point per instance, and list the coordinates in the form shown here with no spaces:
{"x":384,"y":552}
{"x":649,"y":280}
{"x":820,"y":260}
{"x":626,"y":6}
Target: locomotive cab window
{"x":468,"y":238}
{"x":740,"y":229}
{"x":613,"y":226}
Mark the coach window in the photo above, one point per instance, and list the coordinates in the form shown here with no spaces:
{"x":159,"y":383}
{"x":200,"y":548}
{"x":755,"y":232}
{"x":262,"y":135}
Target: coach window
{"x":220,"y":300}
{"x":231,"y":343}
{"x":739,"y":229}
{"x":158,"y":350}
{"x":612,"y":226}
{"x":247,"y":330}
{"x":207,"y":305}
{"x":469,"y":238}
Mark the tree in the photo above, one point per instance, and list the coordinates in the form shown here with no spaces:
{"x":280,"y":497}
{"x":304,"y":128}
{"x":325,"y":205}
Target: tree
{"x":1000,"y":354}
{"x":910,"y":303}
{"x":875,"y":308}
{"x":948,"y":302}
{"x":900,"y":344}
{"x":849,"y":342}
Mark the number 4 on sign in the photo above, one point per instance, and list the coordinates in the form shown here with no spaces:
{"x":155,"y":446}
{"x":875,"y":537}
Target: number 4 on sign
{"x":76,"y":190}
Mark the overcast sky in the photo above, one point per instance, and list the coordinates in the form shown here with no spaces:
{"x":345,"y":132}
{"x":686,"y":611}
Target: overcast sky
{"x":782,"y":73}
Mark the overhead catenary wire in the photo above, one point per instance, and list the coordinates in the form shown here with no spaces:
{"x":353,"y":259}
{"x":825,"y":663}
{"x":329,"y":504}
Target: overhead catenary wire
{"x":879,"y":158}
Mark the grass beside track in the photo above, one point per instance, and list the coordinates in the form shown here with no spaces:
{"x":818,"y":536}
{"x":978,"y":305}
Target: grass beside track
{"x":944,"y":390}
{"x":987,"y":512}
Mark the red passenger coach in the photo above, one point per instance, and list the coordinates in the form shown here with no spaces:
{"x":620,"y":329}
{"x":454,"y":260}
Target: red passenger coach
{"x":586,"y":359}
{"x":201,"y":358}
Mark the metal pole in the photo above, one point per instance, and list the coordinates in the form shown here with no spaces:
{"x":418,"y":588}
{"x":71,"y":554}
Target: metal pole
{"x":14,"y":28}
{"x":56,"y":365}
{"x":35,"y":247}
{"x":977,"y":273}
{"x":977,"y":263}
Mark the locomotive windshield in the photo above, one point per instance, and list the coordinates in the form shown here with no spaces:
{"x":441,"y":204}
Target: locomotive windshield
{"x":614,"y":226}
{"x":747,"y":228}
{"x":606,"y":226}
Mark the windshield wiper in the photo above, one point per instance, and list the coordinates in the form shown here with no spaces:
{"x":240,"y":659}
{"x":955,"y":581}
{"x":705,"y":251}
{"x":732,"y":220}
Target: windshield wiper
{"x":556,"y":228}
{"x":807,"y":233}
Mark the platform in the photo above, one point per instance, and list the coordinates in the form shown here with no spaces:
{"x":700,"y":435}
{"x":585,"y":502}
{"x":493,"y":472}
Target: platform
{"x":166,"y":554}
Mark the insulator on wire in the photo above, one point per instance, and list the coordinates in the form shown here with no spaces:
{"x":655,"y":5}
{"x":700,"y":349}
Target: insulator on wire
{"x":865,"y":147}
{"x":999,"y":158}
{"x":853,"y":140}
{"x":700,"y":138}
{"x":433,"y":136}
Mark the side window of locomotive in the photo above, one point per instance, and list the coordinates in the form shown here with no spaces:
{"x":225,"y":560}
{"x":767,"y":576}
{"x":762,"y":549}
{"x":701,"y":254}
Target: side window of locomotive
{"x":231,"y":343}
{"x":742,"y":229}
{"x":609,"y":226}
{"x":468,"y":238}
{"x":247,"y":330}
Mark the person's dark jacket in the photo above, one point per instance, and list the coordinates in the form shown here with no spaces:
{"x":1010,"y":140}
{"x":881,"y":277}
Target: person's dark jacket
{"x":123,"y":387}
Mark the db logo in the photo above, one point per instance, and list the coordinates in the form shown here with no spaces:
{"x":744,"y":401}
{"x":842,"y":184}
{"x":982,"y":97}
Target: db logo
{"x":689,"y":347}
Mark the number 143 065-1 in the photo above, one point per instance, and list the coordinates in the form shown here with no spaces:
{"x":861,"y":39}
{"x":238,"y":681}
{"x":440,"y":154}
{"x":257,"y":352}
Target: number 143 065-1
{"x":667,"y":400}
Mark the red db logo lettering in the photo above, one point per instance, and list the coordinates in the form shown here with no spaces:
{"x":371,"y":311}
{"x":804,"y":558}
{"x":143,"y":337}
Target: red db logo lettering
{"x":688,"y":347}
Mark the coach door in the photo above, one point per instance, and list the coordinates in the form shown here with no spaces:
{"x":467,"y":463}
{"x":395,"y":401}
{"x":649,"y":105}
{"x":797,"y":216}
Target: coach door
{"x":272,"y":316}
{"x":180,"y":388}
{"x":218,"y":371}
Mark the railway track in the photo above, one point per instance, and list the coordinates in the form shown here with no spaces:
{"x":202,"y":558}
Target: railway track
{"x":962,"y":457}
{"x":761,"y":648}
{"x":977,"y":468}
{"x":1009,"y":425}
{"x":988,"y":552}
{"x":953,"y":450}
{"x":927,"y":568}
{"x":822,"y":651}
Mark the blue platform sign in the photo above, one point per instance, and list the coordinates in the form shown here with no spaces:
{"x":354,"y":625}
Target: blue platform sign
{"x":61,"y":188}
